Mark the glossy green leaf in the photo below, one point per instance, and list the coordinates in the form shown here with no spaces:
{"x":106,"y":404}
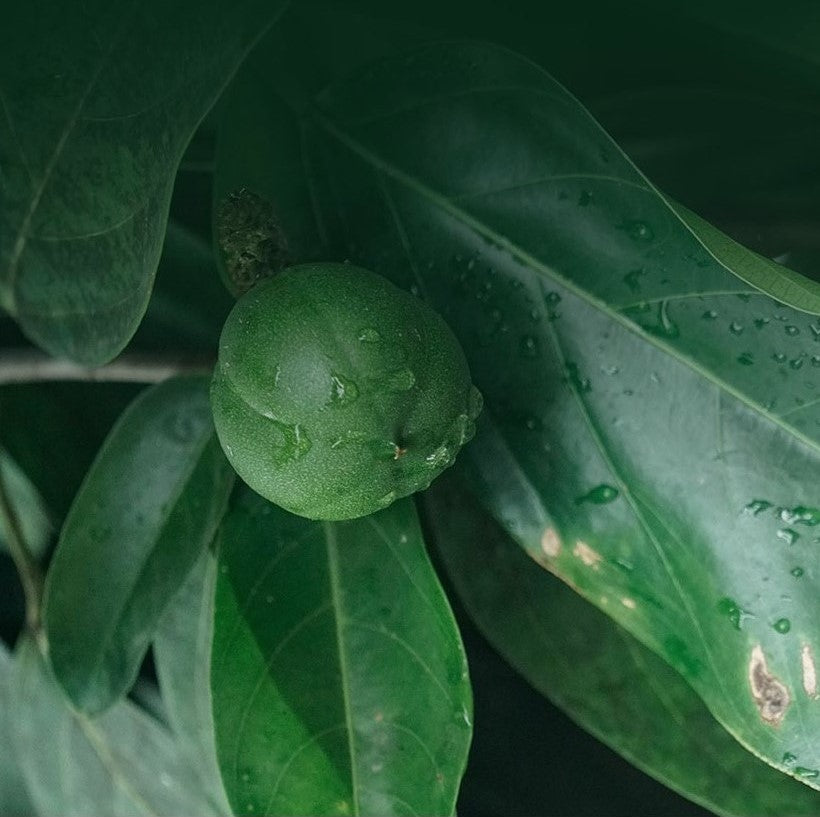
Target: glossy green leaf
{"x":96,"y":108}
{"x":121,"y":764}
{"x":182,"y":655}
{"x":147,"y":509}
{"x":14,"y":797}
{"x":651,"y":423}
{"x":596,"y":672}
{"x":28,"y":506}
{"x":339,"y":680}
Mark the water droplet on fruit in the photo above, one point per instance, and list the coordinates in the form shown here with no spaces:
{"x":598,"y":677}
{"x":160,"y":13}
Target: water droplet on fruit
{"x":440,"y":457}
{"x":788,"y":535}
{"x":291,"y":443}
{"x":746,"y":359}
{"x":343,"y":391}
{"x":385,"y":500}
{"x":399,"y":380}
{"x":803,"y":771}
{"x":709,"y":315}
{"x":736,"y":328}
{"x":792,"y":330}
{"x":599,"y":495}
{"x":369,"y":335}
{"x":782,"y":625}
{"x":797,"y":572}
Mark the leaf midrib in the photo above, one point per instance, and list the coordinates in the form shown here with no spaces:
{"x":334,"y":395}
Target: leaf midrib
{"x":331,"y":544}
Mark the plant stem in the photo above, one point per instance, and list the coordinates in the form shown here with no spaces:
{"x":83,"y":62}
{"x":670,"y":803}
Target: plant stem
{"x":31,"y":577}
{"x":27,"y":366}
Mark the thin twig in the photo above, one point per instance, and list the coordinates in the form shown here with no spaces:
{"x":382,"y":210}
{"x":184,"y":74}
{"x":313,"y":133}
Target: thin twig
{"x":31,"y":577}
{"x":28,"y":366}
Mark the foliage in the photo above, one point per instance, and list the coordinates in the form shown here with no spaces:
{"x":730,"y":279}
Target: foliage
{"x":630,"y":267}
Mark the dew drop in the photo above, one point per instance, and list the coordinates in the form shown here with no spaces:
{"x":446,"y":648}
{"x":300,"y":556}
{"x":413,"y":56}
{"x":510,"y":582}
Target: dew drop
{"x":757,"y":506}
{"x":343,"y":391}
{"x":528,"y":346}
{"x":585,"y":198}
{"x":399,"y":380}
{"x":796,"y":363}
{"x":760,"y":322}
{"x":803,"y":771}
{"x":736,"y":328}
{"x":733,"y":611}
{"x":709,"y":315}
{"x":779,"y":357}
{"x":289,"y":443}
{"x":582,"y":384}
{"x":788,"y":535}
{"x":782,"y":625}
{"x":788,"y":758}
{"x":632,"y":278}
{"x":801,"y":515}
{"x":599,"y":495}
{"x":369,"y":335}
{"x":746,"y":359}
{"x":637,"y":230}
{"x":791,"y":330}
{"x":797,"y":572}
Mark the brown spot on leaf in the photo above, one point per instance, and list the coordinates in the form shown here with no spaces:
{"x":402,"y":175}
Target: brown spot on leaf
{"x":770,"y":694}
{"x":809,"y":672}
{"x":591,"y":558}
{"x":550,"y":543}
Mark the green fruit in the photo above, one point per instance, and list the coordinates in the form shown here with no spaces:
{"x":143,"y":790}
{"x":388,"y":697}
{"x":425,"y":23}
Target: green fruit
{"x":336,"y":393}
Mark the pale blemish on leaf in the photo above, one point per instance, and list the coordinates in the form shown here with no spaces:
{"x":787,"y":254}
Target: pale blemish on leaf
{"x":628,"y":603}
{"x":591,"y":558}
{"x":809,"y":672}
{"x":770,"y":695}
{"x":550,"y":543}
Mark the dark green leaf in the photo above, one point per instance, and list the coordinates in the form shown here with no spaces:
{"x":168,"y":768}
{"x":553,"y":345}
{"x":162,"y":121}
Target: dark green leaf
{"x":97,"y":104}
{"x":122,"y":763}
{"x":182,"y":654}
{"x":148,"y":507}
{"x":14,"y":797}
{"x":651,"y":429}
{"x":339,"y":680}
{"x":27,"y":505}
{"x":595,"y":671}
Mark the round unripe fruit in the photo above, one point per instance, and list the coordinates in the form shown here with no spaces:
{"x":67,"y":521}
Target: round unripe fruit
{"x":336,"y":393}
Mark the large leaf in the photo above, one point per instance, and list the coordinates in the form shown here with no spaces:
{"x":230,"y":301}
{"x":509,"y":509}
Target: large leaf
{"x":599,"y":674}
{"x":147,"y":509}
{"x":14,"y":797}
{"x":182,"y":655}
{"x":651,"y":423}
{"x":123,"y":763}
{"x":339,"y":680}
{"x":97,"y":104}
